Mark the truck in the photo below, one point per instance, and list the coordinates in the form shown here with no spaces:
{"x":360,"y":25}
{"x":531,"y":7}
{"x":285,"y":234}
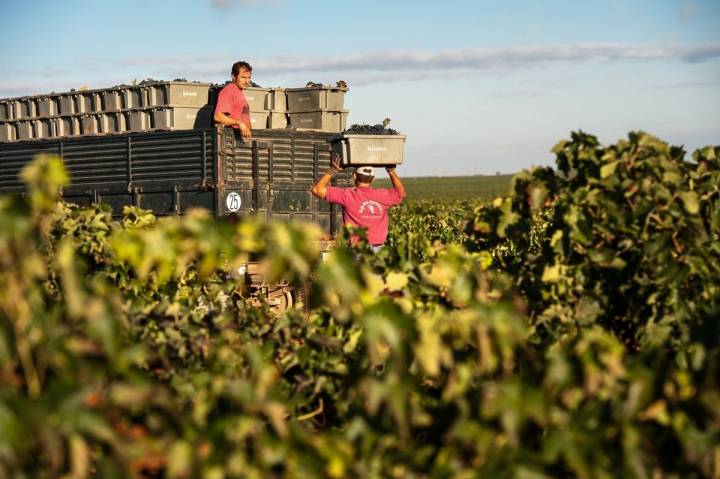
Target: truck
{"x":178,"y":165}
{"x":170,"y":172}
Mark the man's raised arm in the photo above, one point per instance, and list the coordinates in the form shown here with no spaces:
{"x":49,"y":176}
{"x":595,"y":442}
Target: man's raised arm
{"x":395,"y":180}
{"x":319,"y":189}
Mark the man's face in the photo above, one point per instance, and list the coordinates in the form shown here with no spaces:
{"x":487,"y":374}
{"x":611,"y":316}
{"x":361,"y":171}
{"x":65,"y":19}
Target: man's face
{"x":243,"y":79}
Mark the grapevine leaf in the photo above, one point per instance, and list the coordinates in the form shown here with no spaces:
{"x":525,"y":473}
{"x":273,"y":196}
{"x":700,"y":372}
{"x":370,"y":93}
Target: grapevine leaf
{"x":395,"y":281}
{"x":691,"y":202}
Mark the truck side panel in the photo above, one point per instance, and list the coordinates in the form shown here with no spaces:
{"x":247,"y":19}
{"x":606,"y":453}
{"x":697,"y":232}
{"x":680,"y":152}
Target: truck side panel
{"x":167,"y":172}
{"x":173,"y":171}
{"x":278,"y":168}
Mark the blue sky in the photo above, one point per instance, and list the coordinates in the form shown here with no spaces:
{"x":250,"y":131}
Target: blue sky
{"x":479,"y":87}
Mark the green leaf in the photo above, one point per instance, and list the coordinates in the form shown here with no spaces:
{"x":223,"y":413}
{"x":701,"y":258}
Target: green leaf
{"x":352,"y":341}
{"x":180,"y":459}
{"x":538,"y":195}
{"x":507,"y":219}
{"x":551,"y":274}
{"x":691,"y":202}
{"x":395,"y":281}
{"x":79,"y":457}
{"x":672,"y":177}
{"x":559,"y":147}
{"x":608,"y":169}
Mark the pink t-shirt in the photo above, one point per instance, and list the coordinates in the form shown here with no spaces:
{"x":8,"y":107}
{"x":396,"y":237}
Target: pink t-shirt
{"x":366,"y":207}
{"x":232,"y":102}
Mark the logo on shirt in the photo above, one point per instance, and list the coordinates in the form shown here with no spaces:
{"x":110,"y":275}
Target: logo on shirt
{"x":370,"y":208}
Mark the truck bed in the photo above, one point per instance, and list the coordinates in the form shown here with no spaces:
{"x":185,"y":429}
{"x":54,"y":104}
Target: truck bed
{"x":170,"y":172}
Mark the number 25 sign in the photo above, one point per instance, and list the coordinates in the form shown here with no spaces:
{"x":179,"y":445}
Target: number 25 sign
{"x":233,"y":202}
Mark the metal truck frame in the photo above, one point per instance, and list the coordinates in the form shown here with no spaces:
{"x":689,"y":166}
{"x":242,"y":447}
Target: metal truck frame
{"x":170,"y":172}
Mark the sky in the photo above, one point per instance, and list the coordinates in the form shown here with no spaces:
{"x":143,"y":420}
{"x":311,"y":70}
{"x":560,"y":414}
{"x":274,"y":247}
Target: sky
{"x":478,"y":87}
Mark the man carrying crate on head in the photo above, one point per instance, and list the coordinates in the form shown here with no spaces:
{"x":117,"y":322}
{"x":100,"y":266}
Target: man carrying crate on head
{"x":363,"y":205}
{"x":232,"y":108}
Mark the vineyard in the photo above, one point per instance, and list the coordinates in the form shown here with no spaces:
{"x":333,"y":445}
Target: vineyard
{"x":452,"y":188}
{"x":568,"y":329}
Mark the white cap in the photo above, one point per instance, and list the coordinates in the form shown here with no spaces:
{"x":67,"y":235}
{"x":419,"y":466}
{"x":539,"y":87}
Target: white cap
{"x":365,"y":170}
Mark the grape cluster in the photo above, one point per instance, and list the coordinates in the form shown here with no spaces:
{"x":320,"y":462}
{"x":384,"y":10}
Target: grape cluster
{"x":378,"y":129}
{"x":339,"y":84}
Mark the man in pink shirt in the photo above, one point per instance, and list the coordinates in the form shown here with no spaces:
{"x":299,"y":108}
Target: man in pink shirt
{"x":363,"y":205}
{"x":232,"y":108}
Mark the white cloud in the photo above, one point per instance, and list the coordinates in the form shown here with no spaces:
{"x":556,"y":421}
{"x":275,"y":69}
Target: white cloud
{"x":489,"y":58}
{"x":690,"y":84}
{"x":392,"y":66}
{"x":227,"y":4}
{"x":399,"y":63}
{"x":372,"y":67}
